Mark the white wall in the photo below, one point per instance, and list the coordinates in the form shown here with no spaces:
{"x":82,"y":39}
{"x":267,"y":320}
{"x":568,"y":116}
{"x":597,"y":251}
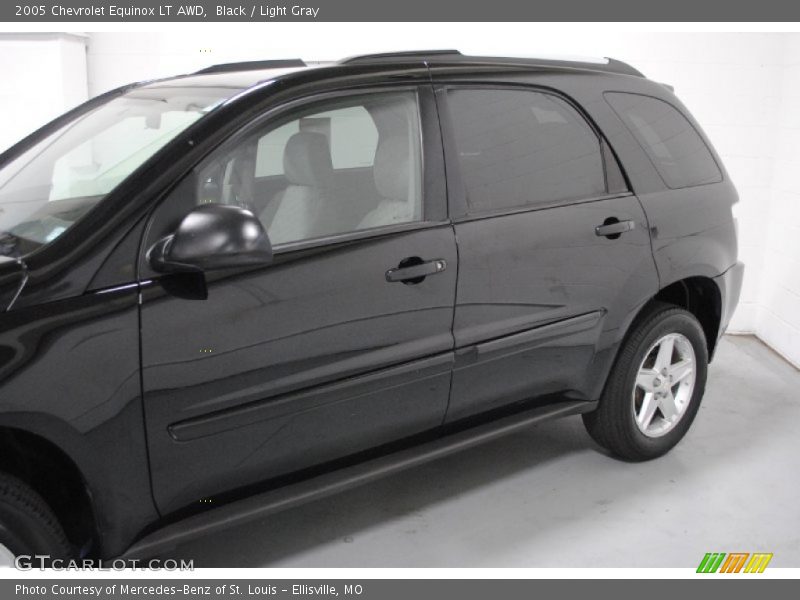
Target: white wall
{"x":744,"y":88}
{"x":778,"y":299}
{"x":44,"y":75}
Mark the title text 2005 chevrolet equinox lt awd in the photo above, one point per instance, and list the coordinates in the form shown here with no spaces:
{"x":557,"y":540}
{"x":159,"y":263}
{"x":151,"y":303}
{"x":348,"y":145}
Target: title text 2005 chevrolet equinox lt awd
{"x":232,"y":291}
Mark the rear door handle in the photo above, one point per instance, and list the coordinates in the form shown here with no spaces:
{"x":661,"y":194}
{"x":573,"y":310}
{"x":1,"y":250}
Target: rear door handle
{"x":414,"y":270}
{"x":613,"y":227}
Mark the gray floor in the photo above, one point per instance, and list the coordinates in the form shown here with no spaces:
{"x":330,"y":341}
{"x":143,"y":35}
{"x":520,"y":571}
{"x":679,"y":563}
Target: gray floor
{"x":549,"y":497}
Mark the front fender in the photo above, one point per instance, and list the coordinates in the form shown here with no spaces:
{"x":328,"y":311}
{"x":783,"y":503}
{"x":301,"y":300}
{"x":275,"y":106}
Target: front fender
{"x":69,"y":373}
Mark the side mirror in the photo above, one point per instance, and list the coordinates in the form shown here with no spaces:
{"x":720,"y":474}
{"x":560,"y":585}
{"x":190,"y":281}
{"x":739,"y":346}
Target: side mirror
{"x":212,"y":236}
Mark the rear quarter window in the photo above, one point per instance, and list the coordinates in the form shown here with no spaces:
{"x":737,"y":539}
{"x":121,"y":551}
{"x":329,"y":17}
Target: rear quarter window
{"x":673,"y":145}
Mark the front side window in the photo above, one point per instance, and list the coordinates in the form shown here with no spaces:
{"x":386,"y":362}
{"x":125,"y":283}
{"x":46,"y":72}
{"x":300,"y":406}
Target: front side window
{"x":521,"y":148}
{"x":47,"y":188}
{"x":675,"y":148}
{"x":345,"y":165}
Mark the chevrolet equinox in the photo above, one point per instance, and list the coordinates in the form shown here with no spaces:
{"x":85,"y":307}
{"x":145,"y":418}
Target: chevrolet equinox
{"x":233,"y":291}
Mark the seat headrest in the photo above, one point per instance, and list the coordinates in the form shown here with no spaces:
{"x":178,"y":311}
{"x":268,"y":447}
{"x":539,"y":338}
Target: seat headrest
{"x":307,"y":159}
{"x":391,"y":169}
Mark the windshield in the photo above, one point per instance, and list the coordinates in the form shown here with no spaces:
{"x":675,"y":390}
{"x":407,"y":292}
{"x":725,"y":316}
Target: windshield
{"x":47,"y":188}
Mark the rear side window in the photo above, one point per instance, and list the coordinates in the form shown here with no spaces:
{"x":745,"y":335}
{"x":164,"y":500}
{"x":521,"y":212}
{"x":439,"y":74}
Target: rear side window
{"x":520,"y":148}
{"x":675,"y":148}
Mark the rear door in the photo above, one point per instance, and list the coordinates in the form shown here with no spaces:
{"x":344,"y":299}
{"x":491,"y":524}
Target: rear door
{"x":554,"y":250}
{"x":344,"y":342}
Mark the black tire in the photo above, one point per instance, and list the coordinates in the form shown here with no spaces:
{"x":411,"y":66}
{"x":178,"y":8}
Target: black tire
{"x":613,"y":424}
{"x":27,"y":525}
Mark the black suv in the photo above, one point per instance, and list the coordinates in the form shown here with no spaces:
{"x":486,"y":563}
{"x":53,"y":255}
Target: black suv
{"x":232,"y":291}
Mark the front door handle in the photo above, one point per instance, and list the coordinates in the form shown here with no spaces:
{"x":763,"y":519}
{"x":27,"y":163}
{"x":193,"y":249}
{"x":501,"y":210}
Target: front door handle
{"x":612,"y":228}
{"x":414,"y":270}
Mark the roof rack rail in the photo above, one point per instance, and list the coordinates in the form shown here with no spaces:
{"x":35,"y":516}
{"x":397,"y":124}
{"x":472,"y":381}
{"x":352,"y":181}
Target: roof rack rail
{"x":411,"y":54}
{"x":252,"y":65}
{"x":608,"y":65}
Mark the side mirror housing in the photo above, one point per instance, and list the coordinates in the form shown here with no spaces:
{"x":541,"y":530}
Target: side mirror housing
{"x":212,"y":236}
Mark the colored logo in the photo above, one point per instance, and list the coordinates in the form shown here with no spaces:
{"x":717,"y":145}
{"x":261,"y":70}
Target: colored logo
{"x":735,"y":562}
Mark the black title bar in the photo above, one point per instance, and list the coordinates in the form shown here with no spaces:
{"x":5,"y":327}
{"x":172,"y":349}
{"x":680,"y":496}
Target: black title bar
{"x":144,"y":11}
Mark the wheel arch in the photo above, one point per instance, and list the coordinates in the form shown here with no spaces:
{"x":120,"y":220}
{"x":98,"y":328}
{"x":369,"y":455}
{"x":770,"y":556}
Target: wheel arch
{"x":49,"y":470}
{"x":700,"y":296}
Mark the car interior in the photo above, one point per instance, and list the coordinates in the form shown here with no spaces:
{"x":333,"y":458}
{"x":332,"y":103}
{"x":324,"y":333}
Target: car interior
{"x":304,"y":180}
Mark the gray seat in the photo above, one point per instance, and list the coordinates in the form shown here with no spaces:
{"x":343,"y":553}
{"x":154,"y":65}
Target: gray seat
{"x":392,"y":173}
{"x":301,"y":206}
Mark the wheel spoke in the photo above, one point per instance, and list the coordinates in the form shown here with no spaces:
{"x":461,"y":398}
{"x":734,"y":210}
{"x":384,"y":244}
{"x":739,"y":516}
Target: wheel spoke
{"x":647,"y":411}
{"x":667,"y":405}
{"x":664,"y":356}
{"x":645,"y":378}
{"x":680,"y":371}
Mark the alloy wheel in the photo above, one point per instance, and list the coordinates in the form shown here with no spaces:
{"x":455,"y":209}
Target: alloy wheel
{"x":664,"y":385}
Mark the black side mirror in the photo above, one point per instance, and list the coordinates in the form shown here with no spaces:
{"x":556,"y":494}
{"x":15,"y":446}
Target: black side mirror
{"x":212,"y":236}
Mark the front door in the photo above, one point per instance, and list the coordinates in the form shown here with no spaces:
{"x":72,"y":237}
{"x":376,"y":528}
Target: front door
{"x":340,"y":345}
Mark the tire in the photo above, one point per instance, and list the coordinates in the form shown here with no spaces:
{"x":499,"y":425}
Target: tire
{"x":27,"y":524}
{"x":620,"y":424}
